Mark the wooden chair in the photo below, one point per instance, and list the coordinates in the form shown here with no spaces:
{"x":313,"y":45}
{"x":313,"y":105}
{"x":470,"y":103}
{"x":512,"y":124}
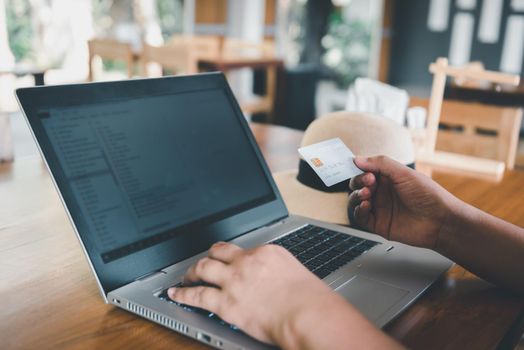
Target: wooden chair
{"x":477,"y":130}
{"x":233,"y":48}
{"x":475,"y":66}
{"x":110,"y":49}
{"x":176,"y":58}
{"x":427,"y":138}
{"x":202,"y":45}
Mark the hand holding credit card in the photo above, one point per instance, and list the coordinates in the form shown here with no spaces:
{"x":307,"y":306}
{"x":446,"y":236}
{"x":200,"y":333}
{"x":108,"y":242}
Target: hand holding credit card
{"x":331,"y":160}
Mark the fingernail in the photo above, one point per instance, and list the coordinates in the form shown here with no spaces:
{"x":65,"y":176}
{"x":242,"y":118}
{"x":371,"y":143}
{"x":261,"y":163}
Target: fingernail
{"x":171,"y":292}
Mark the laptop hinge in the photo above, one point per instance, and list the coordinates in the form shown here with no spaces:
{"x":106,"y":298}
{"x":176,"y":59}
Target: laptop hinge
{"x":275,"y":223}
{"x":150,"y":275}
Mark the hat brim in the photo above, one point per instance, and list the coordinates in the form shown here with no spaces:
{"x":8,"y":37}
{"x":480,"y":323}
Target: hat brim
{"x":306,"y":201}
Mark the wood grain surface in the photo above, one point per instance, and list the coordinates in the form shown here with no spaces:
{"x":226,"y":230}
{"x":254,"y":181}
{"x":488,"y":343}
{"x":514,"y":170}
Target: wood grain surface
{"x":50,"y":299}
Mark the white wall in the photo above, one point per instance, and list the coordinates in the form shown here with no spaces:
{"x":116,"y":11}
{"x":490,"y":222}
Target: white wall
{"x":245,"y":21}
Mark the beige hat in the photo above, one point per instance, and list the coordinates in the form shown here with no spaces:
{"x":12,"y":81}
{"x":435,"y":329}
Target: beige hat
{"x":365,"y":135}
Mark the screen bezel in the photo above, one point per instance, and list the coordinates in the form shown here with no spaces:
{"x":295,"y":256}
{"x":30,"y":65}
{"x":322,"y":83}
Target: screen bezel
{"x":127,"y":269}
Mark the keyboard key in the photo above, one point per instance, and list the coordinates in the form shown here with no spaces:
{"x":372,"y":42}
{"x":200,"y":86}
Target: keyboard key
{"x":360,"y":248}
{"x":311,"y":265}
{"x":323,"y":258}
{"x":321,"y":272}
{"x":323,"y":246}
{"x":343,"y":247}
{"x":303,"y":235}
{"x":335,"y":240}
{"x":323,"y":251}
{"x":355,"y":239}
{"x":295,"y":251}
{"x":330,"y":234}
{"x":302,"y":259}
{"x":369,"y":244}
{"x":306,"y":245}
{"x":331,"y":254}
{"x":316,"y":230}
{"x":309,"y":255}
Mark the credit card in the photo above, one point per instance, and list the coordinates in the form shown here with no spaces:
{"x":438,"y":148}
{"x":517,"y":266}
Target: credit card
{"x":331,"y":160}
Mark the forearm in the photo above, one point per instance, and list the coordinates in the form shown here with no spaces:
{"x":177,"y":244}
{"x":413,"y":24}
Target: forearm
{"x":332,"y":323}
{"x":485,"y":245}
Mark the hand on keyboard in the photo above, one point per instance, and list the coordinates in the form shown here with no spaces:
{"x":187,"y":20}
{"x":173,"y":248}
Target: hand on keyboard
{"x":256,"y":289}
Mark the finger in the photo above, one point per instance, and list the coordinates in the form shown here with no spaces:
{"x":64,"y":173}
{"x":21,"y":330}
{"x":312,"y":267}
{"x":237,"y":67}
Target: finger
{"x":362,"y":180}
{"x":364,"y":193}
{"x":362,"y":214}
{"x":208,"y":298}
{"x":354,"y":200}
{"x":224,"y":252}
{"x":207,"y":270}
{"x":382,"y":165}
{"x":356,"y":197}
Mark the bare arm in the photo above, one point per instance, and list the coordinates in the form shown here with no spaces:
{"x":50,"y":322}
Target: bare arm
{"x":485,"y":245}
{"x":333,"y":324}
{"x":271,"y":296}
{"x":400,"y":204}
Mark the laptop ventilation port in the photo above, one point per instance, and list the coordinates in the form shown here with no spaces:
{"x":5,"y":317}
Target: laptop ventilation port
{"x":204,"y":337}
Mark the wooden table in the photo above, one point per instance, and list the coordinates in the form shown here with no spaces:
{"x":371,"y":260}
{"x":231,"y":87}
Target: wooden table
{"x":251,"y":59}
{"x":50,"y":299}
{"x":22,"y":70}
{"x":269,"y":63}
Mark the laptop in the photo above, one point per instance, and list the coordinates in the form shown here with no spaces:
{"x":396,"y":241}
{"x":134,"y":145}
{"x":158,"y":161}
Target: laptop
{"x":152,"y":172}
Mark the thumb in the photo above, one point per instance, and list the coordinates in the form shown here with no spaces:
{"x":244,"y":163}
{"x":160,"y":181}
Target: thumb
{"x":382,"y":165}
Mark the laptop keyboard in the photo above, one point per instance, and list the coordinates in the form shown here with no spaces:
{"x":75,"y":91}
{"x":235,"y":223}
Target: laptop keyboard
{"x":323,"y":251}
{"x":320,"y":250}
{"x":163,"y":296}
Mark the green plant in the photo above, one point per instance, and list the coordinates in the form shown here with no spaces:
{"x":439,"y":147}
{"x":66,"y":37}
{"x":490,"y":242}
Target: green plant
{"x":170,"y":15}
{"x":347,"y":46}
{"x":19,"y":28}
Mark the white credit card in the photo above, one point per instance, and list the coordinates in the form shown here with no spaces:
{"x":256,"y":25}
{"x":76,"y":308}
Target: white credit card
{"x":332,"y":160}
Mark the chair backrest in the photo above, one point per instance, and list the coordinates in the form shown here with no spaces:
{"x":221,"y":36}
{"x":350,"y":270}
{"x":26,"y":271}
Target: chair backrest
{"x":202,"y":45}
{"x":178,"y":58}
{"x":471,"y":83}
{"x":110,"y":49}
{"x":477,"y":129}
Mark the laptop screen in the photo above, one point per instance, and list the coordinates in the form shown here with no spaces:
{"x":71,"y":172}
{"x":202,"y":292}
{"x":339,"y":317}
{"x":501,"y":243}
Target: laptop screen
{"x":158,"y":170}
{"x":142,"y":167}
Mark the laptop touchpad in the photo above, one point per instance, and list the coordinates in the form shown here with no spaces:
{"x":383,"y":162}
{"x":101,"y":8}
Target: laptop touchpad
{"x":372,"y":298}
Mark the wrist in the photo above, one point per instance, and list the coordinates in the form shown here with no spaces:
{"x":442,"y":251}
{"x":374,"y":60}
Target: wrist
{"x":298,"y":328}
{"x":342,"y":328}
{"x":458,"y":214}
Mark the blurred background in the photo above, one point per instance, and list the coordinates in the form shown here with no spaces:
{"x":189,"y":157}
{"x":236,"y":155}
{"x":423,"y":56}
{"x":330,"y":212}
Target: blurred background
{"x":288,"y":61}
